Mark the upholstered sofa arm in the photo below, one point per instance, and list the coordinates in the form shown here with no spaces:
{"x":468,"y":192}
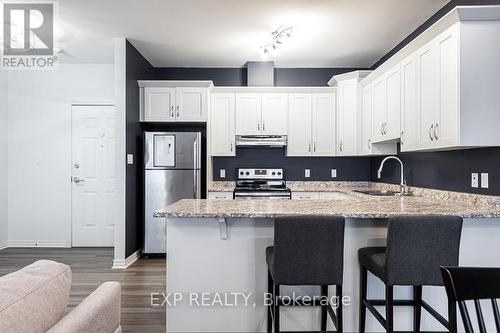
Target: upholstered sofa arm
{"x":99,"y":312}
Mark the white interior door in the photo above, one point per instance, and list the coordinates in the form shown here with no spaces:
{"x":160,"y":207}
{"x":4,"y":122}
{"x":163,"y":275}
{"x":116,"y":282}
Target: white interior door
{"x":93,"y":175}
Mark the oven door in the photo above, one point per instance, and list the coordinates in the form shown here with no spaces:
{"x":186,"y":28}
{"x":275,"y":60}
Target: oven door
{"x":262,"y":195}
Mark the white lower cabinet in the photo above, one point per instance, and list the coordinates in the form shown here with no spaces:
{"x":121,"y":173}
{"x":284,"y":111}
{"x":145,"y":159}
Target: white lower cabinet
{"x":222,"y":124}
{"x":311,"y":125}
{"x":220,"y":195}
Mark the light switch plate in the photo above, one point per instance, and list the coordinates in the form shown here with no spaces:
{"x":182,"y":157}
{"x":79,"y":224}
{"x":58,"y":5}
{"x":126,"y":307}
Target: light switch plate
{"x":130,"y":159}
{"x":334,"y":173}
{"x":222,"y":173}
{"x":484,"y":180}
{"x":307,"y":173}
{"x":474,"y":180}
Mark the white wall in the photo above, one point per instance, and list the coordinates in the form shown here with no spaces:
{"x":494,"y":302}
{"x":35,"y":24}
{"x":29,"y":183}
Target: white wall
{"x":39,"y":144}
{"x":3,"y":159}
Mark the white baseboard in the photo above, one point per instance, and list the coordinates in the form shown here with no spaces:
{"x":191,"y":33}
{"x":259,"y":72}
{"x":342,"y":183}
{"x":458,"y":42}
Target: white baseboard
{"x":37,"y":243}
{"x":125,"y":263}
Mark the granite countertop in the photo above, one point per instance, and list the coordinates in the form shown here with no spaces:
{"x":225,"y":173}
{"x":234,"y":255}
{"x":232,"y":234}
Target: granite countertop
{"x":348,"y":204}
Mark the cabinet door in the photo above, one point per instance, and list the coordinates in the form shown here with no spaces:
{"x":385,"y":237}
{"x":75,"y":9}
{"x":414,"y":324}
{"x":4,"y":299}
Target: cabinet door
{"x":274,"y":114}
{"x":393,"y":115}
{"x":299,"y":125}
{"x":426,"y":98}
{"x":323,"y":124}
{"x":366,"y":141}
{"x":191,"y":104}
{"x":348,"y":118}
{"x":447,"y":113}
{"x":409,"y":104}
{"x":222,"y":134}
{"x":159,"y":104}
{"x":248,"y":114}
{"x":379,"y":106}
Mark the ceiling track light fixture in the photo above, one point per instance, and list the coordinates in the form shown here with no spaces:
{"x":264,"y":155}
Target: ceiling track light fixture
{"x":278,"y":36}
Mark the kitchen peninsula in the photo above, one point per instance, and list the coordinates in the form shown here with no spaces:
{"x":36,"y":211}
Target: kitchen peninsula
{"x":218,"y":246}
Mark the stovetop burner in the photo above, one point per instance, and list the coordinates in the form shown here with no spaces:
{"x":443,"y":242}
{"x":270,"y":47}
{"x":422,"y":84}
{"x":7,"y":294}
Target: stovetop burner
{"x":261,"y":183}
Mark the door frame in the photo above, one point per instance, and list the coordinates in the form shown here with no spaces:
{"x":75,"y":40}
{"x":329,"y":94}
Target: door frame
{"x":69,"y":231}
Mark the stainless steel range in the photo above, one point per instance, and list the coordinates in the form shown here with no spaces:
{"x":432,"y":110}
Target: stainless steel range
{"x":261,"y":184}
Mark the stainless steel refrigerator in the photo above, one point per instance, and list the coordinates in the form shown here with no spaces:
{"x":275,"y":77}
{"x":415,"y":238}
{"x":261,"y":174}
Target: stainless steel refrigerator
{"x":172,"y":163}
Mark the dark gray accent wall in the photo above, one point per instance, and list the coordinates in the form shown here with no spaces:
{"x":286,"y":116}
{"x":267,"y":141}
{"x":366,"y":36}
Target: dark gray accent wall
{"x":238,"y":76}
{"x":447,"y":170}
{"x":348,"y":168}
{"x":137,"y":68}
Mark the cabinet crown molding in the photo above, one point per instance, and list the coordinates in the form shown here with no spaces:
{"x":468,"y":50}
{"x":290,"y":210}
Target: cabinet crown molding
{"x":175,"y":83}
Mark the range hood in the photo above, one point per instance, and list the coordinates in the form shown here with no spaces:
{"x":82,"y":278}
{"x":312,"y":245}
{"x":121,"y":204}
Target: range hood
{"x":261,"y":140}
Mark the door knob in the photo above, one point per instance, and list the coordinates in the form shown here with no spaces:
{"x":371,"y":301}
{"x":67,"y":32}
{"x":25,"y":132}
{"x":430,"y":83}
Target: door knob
{"x":78,"y":180}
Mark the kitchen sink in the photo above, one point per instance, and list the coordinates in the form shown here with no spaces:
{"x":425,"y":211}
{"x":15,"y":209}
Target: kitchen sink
{"x":382,"y":193}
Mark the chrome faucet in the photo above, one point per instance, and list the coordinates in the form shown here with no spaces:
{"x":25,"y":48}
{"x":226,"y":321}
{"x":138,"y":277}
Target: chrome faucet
{"x":402,"y":186}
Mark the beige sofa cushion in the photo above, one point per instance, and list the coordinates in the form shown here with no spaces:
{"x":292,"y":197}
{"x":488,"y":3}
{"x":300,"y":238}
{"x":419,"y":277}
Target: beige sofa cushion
{"x":34,"y":298}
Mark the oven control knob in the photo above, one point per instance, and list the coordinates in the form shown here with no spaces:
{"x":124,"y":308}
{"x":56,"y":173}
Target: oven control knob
{"x":241,"y":173}
{"x":274,"y":173}
{"x":247,"y":173}
{"x":279,"y":173}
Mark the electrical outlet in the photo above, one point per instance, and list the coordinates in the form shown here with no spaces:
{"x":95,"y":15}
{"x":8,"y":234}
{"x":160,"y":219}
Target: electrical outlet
{"x":334,"y":173}
{"x":307,"y":173}
{"x":484,"y":180}
{"x":130,"y":159}
{"x":474,"y":180}
{"x":222,"y":173}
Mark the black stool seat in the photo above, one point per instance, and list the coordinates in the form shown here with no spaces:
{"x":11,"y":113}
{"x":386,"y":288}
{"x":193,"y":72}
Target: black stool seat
{"x":373,"y":258}
{"x":416,"y":248}
{"x":307,"y":251}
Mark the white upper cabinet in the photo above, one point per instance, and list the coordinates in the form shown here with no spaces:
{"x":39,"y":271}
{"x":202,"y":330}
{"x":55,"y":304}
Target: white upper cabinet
{"x":311,"y":125}
{"x":426,"y":95}
{"x":348,"y":118}
{"x":299,"y":125}
{"x":387,"y":106}
{"x":191,"y":104}
{"x":274,"y":114}
{"x":409,"y":120}
{"x":159,"y":104}
{"x":261,"y":114}
{"x":366,"y":141}
{"x":173,"y":101}
{"x":248,"y":114}
{"x":323,"y":131}
{"x":222,"y":124}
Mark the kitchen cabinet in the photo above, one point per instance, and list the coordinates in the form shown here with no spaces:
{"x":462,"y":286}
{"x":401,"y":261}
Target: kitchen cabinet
{"x":387,"y":106}
{"x":173,"y":101}
{"x":274,"y":114}
{"x":409,"y":119}
{"x":222,"y":124}
{"x":220,"y":195}
{"x":261,"y":114}
{"x":311,"y":125}
{"x":426,"y":95}
{"x":348,"y":117}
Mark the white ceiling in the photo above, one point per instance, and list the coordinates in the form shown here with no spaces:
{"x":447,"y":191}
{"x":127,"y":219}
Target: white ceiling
{"x":228,"y":33}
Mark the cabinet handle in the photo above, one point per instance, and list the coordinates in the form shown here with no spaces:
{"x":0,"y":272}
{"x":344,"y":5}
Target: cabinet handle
{"x":430,"y":132}
{"x":369,"y":144}
{"x":381,"y":128}
{"x":263,"y":126}
{"x":341,"y":145}
{"x":314,"y":145}
{"x":401,"y":137}
{"x":258,"y":126}
{"x":436,"y":129}
{"x":309,"y":146}
{"x":231,"y":146}
{"x":177,"y":110}
{"x":172,"y":111}
{"x":385,"y":128}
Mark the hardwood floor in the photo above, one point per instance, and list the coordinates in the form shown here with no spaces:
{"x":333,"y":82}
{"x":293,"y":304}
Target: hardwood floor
{"x":91,"y":267}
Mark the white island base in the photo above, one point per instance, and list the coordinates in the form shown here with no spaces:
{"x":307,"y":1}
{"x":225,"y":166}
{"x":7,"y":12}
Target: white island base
{"x":200,"y":260}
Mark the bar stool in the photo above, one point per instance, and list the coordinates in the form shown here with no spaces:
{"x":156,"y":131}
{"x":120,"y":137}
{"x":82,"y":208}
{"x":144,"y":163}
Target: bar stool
{"x":416,"y":248}
{"x":307,"y":252}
